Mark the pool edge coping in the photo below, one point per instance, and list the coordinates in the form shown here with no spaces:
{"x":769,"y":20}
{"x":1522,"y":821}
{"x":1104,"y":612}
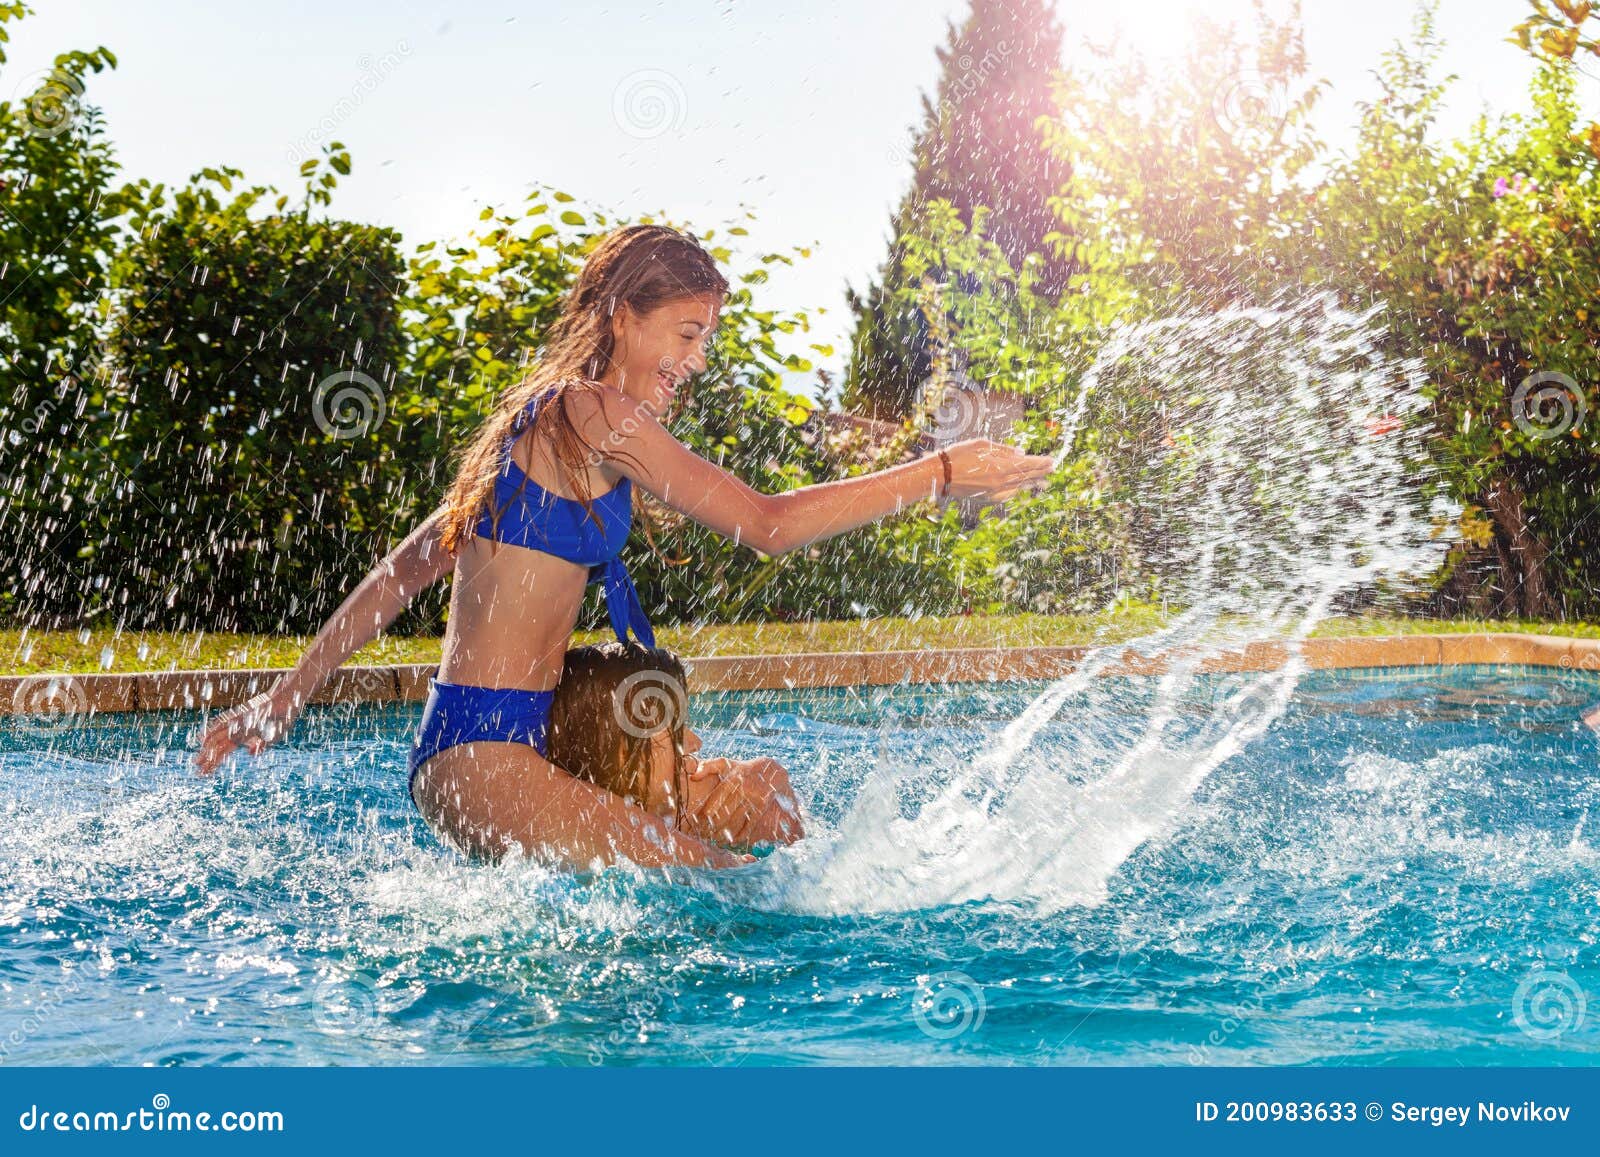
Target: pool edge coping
{"x":408,"y":682}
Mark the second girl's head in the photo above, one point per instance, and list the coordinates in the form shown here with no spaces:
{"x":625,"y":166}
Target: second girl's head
{"x":640,"y":317}
{"x":619,"y":720}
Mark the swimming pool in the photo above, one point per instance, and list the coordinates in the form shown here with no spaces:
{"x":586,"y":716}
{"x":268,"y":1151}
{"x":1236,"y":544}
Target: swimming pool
{"x":1400,"y":869}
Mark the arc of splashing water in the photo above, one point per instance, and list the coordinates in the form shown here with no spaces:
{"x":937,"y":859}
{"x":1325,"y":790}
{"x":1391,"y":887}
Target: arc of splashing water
{"x":958,"y":851}
{"x":1354,"y":326}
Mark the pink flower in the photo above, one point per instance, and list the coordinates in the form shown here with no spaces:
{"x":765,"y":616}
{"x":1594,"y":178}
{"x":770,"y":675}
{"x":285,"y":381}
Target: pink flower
{"x":1500,"y":187}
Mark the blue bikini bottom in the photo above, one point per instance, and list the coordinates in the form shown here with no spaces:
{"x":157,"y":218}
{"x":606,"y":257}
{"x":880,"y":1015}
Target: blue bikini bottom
{"x":456,"y":713}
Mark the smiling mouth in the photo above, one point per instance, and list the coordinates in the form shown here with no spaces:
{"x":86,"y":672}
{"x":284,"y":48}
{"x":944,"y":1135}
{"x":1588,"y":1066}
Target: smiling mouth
{"x":668,"y":382}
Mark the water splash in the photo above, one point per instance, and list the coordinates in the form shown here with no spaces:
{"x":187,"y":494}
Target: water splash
{"x":1262,"y":464}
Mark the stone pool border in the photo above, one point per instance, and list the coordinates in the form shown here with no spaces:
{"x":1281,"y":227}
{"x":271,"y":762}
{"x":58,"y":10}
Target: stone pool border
{"x":405,"y":683}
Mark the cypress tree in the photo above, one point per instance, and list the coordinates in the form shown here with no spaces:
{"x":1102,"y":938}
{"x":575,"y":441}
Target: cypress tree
{"x":977,"y":146}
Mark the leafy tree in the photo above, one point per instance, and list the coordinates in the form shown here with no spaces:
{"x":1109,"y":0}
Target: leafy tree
{"x":253,"y":454}
{"x":1052,"y":551}
{"x":57,"y":207}
{"x":1485,"y":252}
{"x":1189,"y":187}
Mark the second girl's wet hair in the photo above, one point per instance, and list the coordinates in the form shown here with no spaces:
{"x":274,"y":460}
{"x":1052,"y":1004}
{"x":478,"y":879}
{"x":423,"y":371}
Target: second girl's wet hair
{"x":613,"y":699}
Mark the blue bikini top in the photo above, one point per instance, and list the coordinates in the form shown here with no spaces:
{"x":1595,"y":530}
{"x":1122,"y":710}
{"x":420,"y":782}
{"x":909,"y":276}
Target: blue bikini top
{"x":536,"y":519}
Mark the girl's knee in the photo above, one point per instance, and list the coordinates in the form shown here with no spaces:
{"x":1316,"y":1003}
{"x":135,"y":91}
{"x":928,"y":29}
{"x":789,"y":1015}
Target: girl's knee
{"x":440,"y":798}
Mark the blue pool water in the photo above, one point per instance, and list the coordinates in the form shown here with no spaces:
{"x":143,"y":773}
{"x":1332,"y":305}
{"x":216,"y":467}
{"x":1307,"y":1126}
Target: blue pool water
{"x":1400,"y":869}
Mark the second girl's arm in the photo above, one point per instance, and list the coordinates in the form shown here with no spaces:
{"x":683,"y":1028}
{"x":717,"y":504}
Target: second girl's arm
{"x":550,"y":812}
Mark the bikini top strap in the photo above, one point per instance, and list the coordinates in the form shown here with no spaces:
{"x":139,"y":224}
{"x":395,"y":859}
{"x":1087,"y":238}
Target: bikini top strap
{"x":622,"y":603}
{"x":518,"y":424}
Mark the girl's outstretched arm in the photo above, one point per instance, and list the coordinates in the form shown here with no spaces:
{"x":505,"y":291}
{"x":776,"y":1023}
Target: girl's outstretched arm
{"x":377,"y":601}
{"x":641,"y":448}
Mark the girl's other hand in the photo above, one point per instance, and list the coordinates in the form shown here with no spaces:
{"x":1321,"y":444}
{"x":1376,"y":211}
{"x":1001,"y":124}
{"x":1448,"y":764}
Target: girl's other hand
{"x":255,"y":725}
{"x":722,"y":858}
{"x":741,"y":802}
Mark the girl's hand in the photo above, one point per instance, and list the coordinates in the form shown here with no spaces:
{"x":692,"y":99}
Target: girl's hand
{"x":255,"y":725}
{"x":741,"y":802}
{"x":700,"y":769}
{"x":722,"y":858}
{"x":993,"y":469}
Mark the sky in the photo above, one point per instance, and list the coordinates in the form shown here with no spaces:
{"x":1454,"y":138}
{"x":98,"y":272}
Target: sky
{"x":698,"y":110}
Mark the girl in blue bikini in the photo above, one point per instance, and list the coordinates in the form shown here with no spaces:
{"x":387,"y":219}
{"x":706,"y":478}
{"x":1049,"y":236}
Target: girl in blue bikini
{"x":540,"y":507}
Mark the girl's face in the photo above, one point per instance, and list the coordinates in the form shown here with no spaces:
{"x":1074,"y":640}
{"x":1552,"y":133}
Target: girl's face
{"x":658,"y":792}
{"x":657,"y":351}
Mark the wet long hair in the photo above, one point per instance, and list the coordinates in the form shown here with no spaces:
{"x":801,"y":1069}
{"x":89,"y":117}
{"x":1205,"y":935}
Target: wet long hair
{"x":641,"y":266}
{"x":613,"y":699}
